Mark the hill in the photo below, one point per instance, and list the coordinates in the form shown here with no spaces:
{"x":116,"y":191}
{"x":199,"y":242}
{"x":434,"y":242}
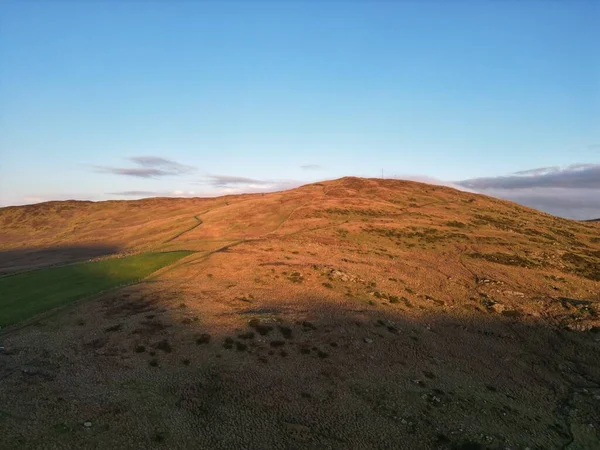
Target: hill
{"x":353,"y":313}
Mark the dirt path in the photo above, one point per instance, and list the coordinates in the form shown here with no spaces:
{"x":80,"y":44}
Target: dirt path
{"x":187,"y":230}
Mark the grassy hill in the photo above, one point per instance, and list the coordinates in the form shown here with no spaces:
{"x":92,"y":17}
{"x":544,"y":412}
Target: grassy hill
{"x":354,"y":313}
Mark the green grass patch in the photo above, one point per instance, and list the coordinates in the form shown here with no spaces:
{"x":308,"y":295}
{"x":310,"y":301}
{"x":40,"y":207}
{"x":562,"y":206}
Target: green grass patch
{"x":27,"y":294}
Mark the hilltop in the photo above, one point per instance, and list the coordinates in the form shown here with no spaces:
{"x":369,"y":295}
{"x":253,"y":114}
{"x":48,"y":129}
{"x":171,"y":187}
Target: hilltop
{"x":353,"y":313}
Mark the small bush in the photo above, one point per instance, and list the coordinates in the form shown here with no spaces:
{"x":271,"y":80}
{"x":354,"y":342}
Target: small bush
{"x":456,"y":224}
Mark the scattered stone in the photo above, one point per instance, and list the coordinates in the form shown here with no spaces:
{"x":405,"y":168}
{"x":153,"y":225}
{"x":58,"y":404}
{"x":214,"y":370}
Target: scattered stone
{"x":498,"y":307}
{"x":87,"y":424}
{"x":335,"y":274}
{"x":514,"y":293}
{"x":368,"y":341}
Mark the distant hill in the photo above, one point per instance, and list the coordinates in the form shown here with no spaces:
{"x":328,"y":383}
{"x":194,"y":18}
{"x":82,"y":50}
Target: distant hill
{"x":352,"y":313}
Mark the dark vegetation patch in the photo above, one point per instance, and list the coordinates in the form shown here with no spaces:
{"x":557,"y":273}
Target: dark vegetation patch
{"x":261,"y":328}
{"x":131,"y":308}
{"x":533,"y":232}
{"x":163,"y":345}
{"x":504,"y":258}
{"x":248,"y":335}
{"x":563,"y":232}
{"x":203,"y":339}
{"x":358,"y":212}
{"x":228,"y":343}
{"x":585,"y":266}
{"x":555,"y":278}
{"x":456,"y":224}
{"x":342,"y":232}
{"x":243,"y":298}
{"x":296,"y":277}
{"x":150,"y":327}
{"x":468,"y":445}
{"x":308,"y":325}
{"x":423,"y":235}
{"x":160,"y":436}
{"x":502,"y":223}
{"x":286,"y":332}
{"x":488,"y":303}
{"x":240,"y":346}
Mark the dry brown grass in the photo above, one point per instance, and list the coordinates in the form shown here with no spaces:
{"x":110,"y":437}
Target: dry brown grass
{"x":344,"y":314}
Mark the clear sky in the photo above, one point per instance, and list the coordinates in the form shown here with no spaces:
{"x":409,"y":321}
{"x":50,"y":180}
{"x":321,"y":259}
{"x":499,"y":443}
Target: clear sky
{"x":204,"y":95}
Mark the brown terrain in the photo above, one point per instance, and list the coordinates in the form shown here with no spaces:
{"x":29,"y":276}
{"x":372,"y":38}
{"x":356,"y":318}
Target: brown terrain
{"x":355,"y":313}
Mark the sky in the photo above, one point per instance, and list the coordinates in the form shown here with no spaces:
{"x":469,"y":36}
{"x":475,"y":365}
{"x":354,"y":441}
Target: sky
{"x":122,"y":100}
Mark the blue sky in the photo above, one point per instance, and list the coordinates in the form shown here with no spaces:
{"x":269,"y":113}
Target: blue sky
{"x":241,"y":96}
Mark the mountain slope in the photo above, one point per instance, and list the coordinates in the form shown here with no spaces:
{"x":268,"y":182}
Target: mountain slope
{"x":354,"y":313}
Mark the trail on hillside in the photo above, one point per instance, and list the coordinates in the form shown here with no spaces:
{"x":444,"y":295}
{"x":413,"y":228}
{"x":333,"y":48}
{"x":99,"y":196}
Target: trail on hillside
{"x":187,"y":230}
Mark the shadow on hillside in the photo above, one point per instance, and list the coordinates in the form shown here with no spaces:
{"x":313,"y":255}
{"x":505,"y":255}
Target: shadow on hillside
{"x":32,"y":258}
{"x":150,"y":365}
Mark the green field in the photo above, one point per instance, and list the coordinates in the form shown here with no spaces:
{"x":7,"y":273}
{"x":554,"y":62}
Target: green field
{"x":27,"y":294}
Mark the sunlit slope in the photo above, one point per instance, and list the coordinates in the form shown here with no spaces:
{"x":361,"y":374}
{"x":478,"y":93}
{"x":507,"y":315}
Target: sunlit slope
{"x":396,"y":215}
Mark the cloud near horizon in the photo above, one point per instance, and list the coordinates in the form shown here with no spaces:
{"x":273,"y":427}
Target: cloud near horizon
{"x":572,"y":191}
{"x":575,"y":176}
{"x":432,"y":180}
{"x":230,"y":184}
{"x":148,"y":167}
{"x":311,"y":167}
